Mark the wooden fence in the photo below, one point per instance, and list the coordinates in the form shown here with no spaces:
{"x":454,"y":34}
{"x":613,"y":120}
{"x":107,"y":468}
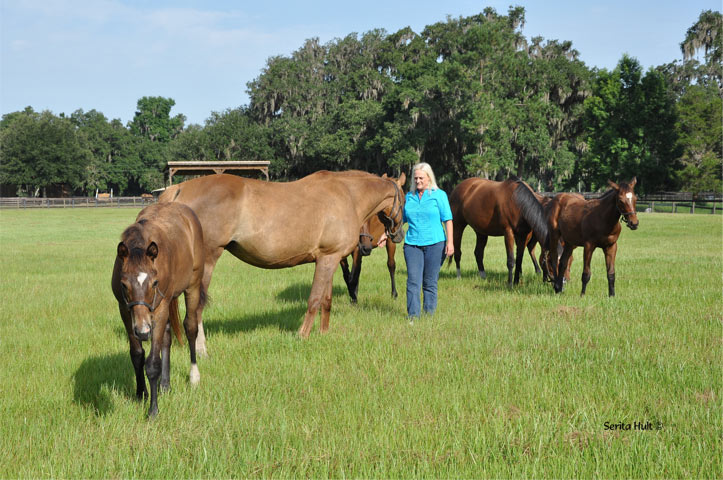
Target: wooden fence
{"x":75,"y":202}
{"x":659,"y":202}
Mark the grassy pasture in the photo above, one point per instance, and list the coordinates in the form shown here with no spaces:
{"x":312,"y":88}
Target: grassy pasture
{"x":499,"y":383}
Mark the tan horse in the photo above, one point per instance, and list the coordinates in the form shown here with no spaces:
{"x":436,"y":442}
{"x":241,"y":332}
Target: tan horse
{"x":369,"y":236}
{"x":591,"y":224}
{"x":278,"y":225}
{"x":158,"y":258}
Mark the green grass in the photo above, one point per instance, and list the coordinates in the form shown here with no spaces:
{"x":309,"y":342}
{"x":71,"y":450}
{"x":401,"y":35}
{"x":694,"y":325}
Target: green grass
{"x":499,"y":383}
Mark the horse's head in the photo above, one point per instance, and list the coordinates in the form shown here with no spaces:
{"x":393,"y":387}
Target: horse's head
{"x":365,"y":240}
{"x":139,"y":285}
{"x":393,"y":217}
{"x":626,"y":201}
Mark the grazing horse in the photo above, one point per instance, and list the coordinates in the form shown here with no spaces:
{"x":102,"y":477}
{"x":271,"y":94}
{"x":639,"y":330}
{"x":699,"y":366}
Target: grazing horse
{"x":278,"y":225}
{"x":369,"y":236}
{"x":158,"y":258}
{"x":508,"y":209}
{"x":591,"y":224}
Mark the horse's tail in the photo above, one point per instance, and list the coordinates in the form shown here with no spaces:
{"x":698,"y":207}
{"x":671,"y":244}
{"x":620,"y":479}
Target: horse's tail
{"x":532,"y":212}
{"x":175,"y":320}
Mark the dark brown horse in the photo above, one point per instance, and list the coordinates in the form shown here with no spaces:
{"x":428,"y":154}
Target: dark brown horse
{"x":369,"y":236}
{"x":509,"y":209}
{"x":158,"y":258}
{"x":278,"y":225}
{"x":591,"y":224}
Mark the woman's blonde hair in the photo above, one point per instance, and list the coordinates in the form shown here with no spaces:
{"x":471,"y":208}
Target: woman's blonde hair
{"x":423,"y":166}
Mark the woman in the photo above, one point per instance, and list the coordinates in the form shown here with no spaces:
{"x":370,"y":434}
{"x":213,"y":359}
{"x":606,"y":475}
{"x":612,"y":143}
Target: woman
{"x":426,"y":209}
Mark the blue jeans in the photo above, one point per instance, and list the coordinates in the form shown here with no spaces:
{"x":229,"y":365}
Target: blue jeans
{"x":423,"y":264}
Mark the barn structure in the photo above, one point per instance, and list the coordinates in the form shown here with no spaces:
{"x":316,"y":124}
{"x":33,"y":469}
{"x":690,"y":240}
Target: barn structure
{"x":209,"y":168}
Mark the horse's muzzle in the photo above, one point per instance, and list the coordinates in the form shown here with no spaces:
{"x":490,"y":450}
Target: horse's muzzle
{"x":398,"y":235}
{"x":632,"y":226}
{"x":365,"y":250}
{"x":142,"y":332}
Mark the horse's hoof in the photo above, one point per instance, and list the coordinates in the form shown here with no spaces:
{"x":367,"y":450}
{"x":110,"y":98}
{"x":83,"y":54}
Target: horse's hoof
{"x":483,"y":275}
{"x":194,"y":376}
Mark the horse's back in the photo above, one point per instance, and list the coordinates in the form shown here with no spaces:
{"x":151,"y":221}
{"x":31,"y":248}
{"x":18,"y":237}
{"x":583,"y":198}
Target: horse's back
{"x":255,"y":220}
{"x":481,"y":203}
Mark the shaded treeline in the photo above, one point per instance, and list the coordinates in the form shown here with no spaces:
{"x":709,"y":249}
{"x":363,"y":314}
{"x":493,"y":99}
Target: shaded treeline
{"x":470,"y":95}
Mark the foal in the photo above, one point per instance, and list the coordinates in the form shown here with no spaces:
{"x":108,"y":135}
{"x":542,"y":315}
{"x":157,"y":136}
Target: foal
{"x":158,"y":258}
{"x":591,"y":224}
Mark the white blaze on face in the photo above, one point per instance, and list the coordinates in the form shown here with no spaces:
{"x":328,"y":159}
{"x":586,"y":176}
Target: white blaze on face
{"x":629,"y":196}
{"x":142,"y":278}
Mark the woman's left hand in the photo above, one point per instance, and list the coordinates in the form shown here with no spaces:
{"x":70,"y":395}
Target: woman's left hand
{"x":449,"y":249}
{"x":382,"y":240}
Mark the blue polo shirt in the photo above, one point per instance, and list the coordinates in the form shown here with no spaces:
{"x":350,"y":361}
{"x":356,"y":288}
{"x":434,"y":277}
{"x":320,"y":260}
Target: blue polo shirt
{"x":425,"y":217}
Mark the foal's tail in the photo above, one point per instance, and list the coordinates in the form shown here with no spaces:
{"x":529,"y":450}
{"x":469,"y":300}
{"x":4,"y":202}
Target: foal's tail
{"x":532,"y":212}
{"x":175,"y":320}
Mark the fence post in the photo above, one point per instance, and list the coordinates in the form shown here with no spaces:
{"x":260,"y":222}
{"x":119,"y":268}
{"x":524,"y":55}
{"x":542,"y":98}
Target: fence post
{"x":692,"y":206}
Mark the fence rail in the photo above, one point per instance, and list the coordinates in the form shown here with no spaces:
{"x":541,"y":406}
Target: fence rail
{"x":671,"y":202}
{"x":659,"y":203}
{"x":73,"y":202}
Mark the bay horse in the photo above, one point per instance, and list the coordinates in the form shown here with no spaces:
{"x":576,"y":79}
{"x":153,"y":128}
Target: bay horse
{"x":591,"y":224}
{"x":283,"y":224}
{"x":509,"y":209}
{"x":369,"y":236}
{"x":159,"y":257}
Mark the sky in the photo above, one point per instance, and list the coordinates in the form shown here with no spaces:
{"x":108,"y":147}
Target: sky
{"x":65,"y":55}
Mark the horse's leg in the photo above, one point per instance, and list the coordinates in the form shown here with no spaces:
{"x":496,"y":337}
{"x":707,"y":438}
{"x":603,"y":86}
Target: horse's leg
{"x":566,"y":278}
{"x":479,"y":254}
{"x":457,"y":230}
{"x":166,"y":360}
{"x":355,"y":273}
{"x":192,"y":296}
{"x":586,"y":258}
{"x":137,"y":353}
{"x":320,"y":293}
{"x":210,"y":263}
{"x":610,"y":254}
{"x":520,"y":242}
{"x":558,"y":266}
{"x":510,"y":247}
{"x":531,"y":250}
{"x":345,"y":273}
{"x":326,"y":302}
{"x":392,"y":266}
{"x":153,"y":362}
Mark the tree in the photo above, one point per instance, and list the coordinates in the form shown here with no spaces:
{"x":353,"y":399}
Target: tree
{"x":39,"y":150}
{"x":153,"y":121}
{"x":630,"y":125}
{"x":700,"y":139}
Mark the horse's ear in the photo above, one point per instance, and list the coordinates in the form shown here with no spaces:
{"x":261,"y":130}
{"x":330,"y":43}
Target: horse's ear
{"x":384,"y":176}
{"x":152,"y":250}
{"x":613,"y":185}
{"x":122,"y":250}
{"x":402,"y":179}
{"x":633,"y":182}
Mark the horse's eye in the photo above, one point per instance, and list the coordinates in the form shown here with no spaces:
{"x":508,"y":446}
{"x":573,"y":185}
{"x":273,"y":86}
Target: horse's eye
{"x":155,"y":283}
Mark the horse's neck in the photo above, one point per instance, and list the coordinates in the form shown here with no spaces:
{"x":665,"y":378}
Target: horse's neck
{"x":371,"y":198}
{"x":607,"y":209}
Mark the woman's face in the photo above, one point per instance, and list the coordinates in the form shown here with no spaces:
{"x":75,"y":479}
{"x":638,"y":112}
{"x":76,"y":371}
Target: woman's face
{"x":421,"y":180}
